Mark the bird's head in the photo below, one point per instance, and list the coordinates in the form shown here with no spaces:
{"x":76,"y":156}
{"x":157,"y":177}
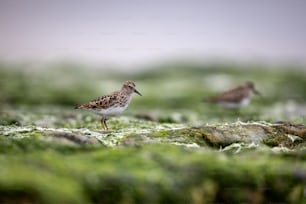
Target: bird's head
{"x":251,"y":86}
{"x":130,"y":87}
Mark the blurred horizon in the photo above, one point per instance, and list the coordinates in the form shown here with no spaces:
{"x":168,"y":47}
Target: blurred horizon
{"x":136,"y":33}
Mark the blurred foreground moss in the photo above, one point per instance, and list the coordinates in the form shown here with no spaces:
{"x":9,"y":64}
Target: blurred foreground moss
{"x":150,"y":174}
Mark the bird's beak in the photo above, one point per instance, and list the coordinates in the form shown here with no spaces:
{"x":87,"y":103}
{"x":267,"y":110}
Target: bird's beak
{"x":137,"y":92}
{"x":257,"y":92}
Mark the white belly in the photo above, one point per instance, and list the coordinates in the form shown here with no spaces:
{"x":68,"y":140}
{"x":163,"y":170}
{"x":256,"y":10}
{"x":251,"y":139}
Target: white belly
{"x":242,"y":103}
{"x":112,"y":111}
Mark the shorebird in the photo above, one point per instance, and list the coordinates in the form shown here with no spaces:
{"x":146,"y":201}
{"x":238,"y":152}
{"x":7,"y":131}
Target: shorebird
{"x":235,"y":98}
{"x":112,"y":104}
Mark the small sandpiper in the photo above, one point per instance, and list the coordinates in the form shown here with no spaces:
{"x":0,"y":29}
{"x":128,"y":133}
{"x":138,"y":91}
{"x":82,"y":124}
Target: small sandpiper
{"x":235,"y":98}
{"x":112,"y":104}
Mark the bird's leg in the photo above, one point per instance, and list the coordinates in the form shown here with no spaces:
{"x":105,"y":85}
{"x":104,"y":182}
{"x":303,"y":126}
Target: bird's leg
{"x":103,"y":123}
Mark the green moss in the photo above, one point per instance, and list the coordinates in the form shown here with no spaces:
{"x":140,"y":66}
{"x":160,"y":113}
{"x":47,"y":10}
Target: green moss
{"x":150,"y":174}
{"x":185,"y":84}
{"x":37,"y":144}
{"x":9,"y":119}
{"x":55,"y":154}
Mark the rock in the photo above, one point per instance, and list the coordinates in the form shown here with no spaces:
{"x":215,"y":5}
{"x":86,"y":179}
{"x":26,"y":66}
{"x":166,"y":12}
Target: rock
{"x":71,"y":138}
{"x":219,"y":135}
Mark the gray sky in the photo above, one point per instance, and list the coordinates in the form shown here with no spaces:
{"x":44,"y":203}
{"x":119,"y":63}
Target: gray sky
{"x":139,"y":31}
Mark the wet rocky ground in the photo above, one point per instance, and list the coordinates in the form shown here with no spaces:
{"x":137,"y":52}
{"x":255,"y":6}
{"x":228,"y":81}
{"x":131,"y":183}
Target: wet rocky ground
{"x":168,"y":147}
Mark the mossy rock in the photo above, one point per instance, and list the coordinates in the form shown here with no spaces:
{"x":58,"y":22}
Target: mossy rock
{"x":151,"y":162}
{"x":140,"y":133}
{"x":222,"y":135}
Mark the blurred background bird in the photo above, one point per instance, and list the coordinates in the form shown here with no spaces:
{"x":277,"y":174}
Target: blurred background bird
{"x":235,"y":98}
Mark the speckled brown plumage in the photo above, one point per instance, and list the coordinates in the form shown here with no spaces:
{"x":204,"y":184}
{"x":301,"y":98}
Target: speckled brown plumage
{"x":103,"y":102}
{"x":111,"y":104}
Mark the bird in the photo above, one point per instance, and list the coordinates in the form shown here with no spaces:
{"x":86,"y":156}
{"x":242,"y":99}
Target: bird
{"x":112,"y":104}
{"x":235,"y":98}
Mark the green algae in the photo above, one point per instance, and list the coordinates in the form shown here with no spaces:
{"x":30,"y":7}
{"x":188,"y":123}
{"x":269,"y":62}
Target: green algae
{"x":130,"y":131}
{"x":152,"y":174}
{"x":184,"y":86}
{"x":169,"y":147}
{"x":151,"y":162}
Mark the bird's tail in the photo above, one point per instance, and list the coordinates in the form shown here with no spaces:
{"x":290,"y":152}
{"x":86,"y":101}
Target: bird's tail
{"x":82,"y":106}
{"x":79,"y":106}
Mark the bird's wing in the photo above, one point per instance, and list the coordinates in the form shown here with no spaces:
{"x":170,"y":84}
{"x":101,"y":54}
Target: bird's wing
{"x":102,"y":102}
{"x":231,"y":96}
